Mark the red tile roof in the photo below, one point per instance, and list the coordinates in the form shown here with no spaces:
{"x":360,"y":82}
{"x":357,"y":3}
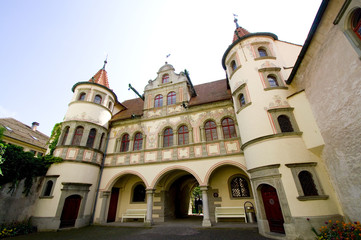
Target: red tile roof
{"x":239,"y":32}
{"x":132,"y":107}
{"x":101,"y":77}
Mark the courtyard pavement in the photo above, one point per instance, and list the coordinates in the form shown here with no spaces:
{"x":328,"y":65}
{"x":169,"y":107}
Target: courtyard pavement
{"x":177,"y":229}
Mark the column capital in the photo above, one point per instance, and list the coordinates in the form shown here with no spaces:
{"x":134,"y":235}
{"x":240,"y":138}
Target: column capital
{"x":203,"y":188}
{"x":150,"y":190}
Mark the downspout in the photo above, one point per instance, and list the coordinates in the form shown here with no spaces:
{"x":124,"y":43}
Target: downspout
{"x":100,"y":177}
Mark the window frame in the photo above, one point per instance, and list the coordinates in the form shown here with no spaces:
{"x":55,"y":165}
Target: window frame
{"x":168,"y":137}
{"x":171,"y":98}
{"x":183,"y":134}
{"x":82,"y":96}
{"x":124,"y":148}
{"x":91,"y":138}
{"x":165,"y":78}
{"x":246,"y":179}
{"x":158,"y":101}
{"x":138,"y":142}
{"x":134,"y":188}
{"x":77,"y":136}
{"x":65,"y":135}
{"x":228,"y":126}
{"x":276,"y":112}
{"x":47,"y":179}
{"x":98,"y":101}
{"x":210,"y":129}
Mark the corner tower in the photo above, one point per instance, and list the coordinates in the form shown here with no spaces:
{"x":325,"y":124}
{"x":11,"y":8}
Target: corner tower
{"x":69,"y":189}
{"x":289,"y":180}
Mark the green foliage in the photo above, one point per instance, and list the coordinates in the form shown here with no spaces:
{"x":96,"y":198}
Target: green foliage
{"x":54,"y":138}
{"x":24,"y":165}
{"x":196,"y":193}
{"x":16,"y":228}
{"x":2,"y":149}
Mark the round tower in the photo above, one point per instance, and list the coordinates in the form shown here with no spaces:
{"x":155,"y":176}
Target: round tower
{"x":277,"y":158}
{"x":70,"y":187}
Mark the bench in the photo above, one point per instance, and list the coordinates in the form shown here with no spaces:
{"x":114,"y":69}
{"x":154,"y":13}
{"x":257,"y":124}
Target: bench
{"x":230,"y":212}
{"x":134,"y":213}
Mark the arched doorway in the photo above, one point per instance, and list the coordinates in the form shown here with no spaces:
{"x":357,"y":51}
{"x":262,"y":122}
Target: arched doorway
{"x":272,"y":208}
{"x":70,"y":211}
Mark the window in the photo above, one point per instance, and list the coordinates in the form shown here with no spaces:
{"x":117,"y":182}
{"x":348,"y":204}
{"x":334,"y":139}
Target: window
{"x":110,"y":104}
{"x":48,"y":188}
{"x":229,"y":130}
{"x":124,"y":147}
{"x":101,"y":141}
{"x":139,"y":193}
{"x":81,"y":97}
{"x":285,"y":123}
{"x":40,"y":154}
{"x":91,"y":138}
{"x":242,"y":100}
{"x":211,"y":131}
{"x":98,"y":99}
{"x":356,"y":22}
{"x":307,"y":184}
{"x":158,"y":101}
{"x":171,"y":98}
{"x":66,"y":132}
{"x":239,"y":187}
{"x":168,"y":137}
{"x":262,"y":52}
{"x":183,"y":135}
{"x":77,"y":136}
{"x":138,"y":141}
{"x":165,"y":78}
{"x":272,"y":80}
{"x":233,"y":65}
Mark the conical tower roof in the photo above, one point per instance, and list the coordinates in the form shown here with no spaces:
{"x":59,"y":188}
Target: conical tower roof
{"x":101,"y":77}
{"x":239,"y":32}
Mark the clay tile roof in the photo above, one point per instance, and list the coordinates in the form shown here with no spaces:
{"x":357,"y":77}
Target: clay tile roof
{"x":239,"y":32}
{"x":101,"y":77}
{"x":22,"y":132}
{"x":133,"y":107}
{"x":211,"y":92}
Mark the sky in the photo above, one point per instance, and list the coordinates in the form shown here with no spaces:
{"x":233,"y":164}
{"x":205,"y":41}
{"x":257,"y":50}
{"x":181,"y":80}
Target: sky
{"x":47,"y":46}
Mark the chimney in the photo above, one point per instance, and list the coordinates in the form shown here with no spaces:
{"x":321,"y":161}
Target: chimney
{"x":34,"y":125}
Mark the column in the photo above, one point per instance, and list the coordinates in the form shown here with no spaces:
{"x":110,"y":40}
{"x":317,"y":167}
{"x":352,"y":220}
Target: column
{"x":149,"y":219}
{"x":220,"y":131}
{"x":206,"y":221}
{"x":104,"y":206}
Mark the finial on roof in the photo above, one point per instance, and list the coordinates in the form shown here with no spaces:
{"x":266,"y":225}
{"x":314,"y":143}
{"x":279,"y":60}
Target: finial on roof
{"x":236,"y":20}
{"x":105,"y":62}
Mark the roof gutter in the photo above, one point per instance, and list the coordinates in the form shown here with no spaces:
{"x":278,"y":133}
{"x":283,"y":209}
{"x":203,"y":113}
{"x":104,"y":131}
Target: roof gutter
{"x":309,"y":38}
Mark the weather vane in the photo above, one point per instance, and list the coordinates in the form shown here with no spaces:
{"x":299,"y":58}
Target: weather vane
{"x":166,"y":58}
{"x":236,"y":20}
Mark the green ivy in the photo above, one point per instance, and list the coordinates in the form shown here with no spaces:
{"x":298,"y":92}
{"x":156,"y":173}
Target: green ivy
{"x":2,"y":149}
{"x":54,"y":138}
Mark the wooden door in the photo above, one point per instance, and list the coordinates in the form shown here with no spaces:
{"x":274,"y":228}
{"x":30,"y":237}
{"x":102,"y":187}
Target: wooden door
{"x":273,"y":209}
{"x":113,"y":205}
{"x":70,"y":211}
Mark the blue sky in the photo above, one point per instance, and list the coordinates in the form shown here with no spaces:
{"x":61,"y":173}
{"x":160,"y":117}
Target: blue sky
{"x":48,"y":46}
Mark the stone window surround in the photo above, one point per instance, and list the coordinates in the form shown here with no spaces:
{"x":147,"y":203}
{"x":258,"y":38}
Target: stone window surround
{"x":264,"y":45}
{"x":218,"y":127}
{"x":233,"y":57}
{"x":296,"y":168}
{"x":132,"y":193}
{"x":275,"y":72}
{"x":237,"y":93}
{"x":230,"y":188}
{"x":46,"y":180}
{"x":276,"y":112}
{"x":80,"y":91}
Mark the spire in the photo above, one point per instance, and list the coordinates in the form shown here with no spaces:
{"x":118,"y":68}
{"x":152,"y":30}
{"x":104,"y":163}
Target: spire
{"x":239,"y":32}
{"x":101,"y":77}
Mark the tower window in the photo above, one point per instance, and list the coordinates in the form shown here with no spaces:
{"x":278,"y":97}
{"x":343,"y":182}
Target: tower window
{"x":211,"y":131}
{"x":158,"y":101}
{"x":262,"y":52}
{"x":272,"y":80}
{"x":242,"y":100}
{"x":124,"y":147}
{"x":165,"y":78}
{"x":138,"y":141}
{"x":91,"y":138}
{"x":229,"y":130}
{"x":139,"y":193}
{"x":239,"y":187}
{"x":65,"y":136}
{"x":307,"y":184}
{"x":101,"y":141}
{"x":285,"y":123}
{"x":98,"y":99}
{"x":168,"y":137}
{"x":233,"y":65}
{"x":82,"y":97}
{"x":183,"y":135}
{"x":110,"y":105}
{"x":356,"y":22}
{"x":171,"y":98}
{"x":48,"y":188}
{"x":77,"y":136}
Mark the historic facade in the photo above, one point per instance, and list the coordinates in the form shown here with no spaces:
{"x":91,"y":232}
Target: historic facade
{"x":257,"y":136}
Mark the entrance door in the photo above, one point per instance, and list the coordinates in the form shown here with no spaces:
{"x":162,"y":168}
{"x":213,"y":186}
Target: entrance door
{"x":70,"y":211}
{"x":273,"y":209}
{"x":113,"y":205}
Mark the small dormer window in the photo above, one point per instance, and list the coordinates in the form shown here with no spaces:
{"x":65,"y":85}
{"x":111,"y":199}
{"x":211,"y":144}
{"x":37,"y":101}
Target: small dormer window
{"x":34,"y":137}
{"x":8,"y":128}
{"x":98,"y":99}
{"x":165,"y":78}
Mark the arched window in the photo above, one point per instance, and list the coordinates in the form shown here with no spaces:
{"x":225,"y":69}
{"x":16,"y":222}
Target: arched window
{"x":233,"y":65}
{"x":168,"y":137}
{"x":165,"y":78}
{"x":239,"y":187}
{"x":262,"y":52}
{"x":110,"y":104}
{"x":139,"y":193}
{"x":242,"y":100}
{"x":138,"y":141}
{"x":229,"y":130}
{"x":211,"y":131}
{"x":77,"y":136}
{"x":98,"y":99}
{"x":82,"y":97}
{"x":48,"y":188}
{"x":65,"y":136}
{"x":285,"y":123}
{"x":158,"y":101}
{"x":307,"y":183}
{"x":91,"y":138}
{"x":183,"y":135}
{"x":101,"y":141}
{"x":124,"y":147}
{"x":356,"y":22}
{"x":272,"y":80}
{"x":171,"y":98}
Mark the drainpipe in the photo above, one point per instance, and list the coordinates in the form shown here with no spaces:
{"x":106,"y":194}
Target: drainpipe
{"x":100,"y":177}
